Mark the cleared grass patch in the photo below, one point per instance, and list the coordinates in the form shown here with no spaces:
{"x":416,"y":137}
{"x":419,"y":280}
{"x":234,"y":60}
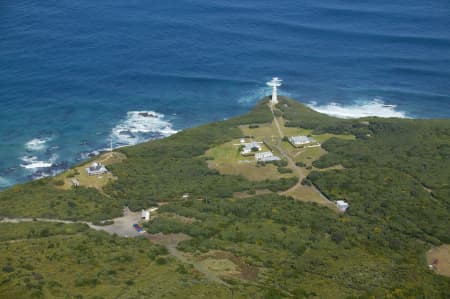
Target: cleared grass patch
{"x":227,"y":265}
{"x":267,"y":130}
{"x":439,"y":257}
{"x":309,"y":155}
{"x":97,"y":182}
{"x":228,"y":160}
{"x":308,"y":194}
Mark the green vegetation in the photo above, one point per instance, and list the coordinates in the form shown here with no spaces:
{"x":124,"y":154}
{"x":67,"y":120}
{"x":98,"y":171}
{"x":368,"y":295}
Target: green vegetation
{"x":398,"y":179}
{"x":393,"y":172}
{"x":43,"y":199}
{"x":159,"y":170}
{"x":300,"y":247}
{"x":92,"y":265}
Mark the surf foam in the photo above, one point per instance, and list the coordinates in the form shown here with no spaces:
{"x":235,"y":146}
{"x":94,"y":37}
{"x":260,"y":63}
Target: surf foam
{"x":375,"y":107}
{"x":32,"y":162}
{"x":36,"y":144}
{"x":140,"y":126}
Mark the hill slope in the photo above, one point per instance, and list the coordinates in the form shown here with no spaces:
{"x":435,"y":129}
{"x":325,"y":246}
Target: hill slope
{"x":250,"y":237}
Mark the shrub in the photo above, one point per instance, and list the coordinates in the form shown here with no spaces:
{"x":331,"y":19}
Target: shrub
{"x":284,"y":170}
{"x":161,"y":261}
{"x":306,"y":182}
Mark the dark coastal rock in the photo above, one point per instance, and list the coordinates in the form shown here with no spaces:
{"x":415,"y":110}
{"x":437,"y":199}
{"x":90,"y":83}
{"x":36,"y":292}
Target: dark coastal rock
{"x":93,"y":154}
{"x":146,"y":114}
{"x":127,"y":133}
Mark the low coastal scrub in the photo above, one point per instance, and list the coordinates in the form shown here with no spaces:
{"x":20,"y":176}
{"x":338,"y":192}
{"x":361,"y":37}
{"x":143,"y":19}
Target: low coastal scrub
{"x":394,"y":175}
{"x":65,"y":263}
{"x":153,"y":171}
{"x":292,"y":240}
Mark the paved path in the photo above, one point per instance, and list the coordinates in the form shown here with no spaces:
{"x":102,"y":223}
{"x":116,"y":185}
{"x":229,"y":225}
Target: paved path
{"x":123,"y":226}
{"x":291,"y":163}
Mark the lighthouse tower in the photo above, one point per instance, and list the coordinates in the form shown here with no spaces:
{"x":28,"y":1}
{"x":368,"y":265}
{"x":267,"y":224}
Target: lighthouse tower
{"x":276,"y":82}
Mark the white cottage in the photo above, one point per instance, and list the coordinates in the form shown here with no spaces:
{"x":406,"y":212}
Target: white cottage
{"x":145,"y":215}
{"x":248,"y":148}
{"x":266,"y":157}
{"x":342,"y":205}
{"x":300,"y":140}
{"x":96,"y":168}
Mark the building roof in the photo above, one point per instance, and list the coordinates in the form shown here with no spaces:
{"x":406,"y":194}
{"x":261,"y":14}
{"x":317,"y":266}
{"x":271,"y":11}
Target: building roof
{"x":301,"y":139}
{"x":96,"y":168}
{"x":342,"y":205}
{"x":263,"y":154}
{"x":249,"y":146}
{"x":268,"y":159}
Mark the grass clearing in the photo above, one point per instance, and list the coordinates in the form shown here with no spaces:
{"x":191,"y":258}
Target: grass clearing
{"x":97,"y":182}
{"x":442,"y":255}
{"x":226,"y":264}
{"x":307,"y":194}
{"x":309,"y":155}
{"x":267,"y":130}
{"x":228,"y":160}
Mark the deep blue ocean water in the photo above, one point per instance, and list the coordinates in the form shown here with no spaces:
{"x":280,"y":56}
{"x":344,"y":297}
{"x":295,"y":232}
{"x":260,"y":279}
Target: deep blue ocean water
{"x":74,"y":74}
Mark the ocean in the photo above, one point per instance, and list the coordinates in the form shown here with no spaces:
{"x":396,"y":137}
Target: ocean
{"x":76,"y":75}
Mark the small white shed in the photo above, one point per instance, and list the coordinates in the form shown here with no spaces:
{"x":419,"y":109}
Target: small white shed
{"x":145,"y":215}
{"x":342,"y":205}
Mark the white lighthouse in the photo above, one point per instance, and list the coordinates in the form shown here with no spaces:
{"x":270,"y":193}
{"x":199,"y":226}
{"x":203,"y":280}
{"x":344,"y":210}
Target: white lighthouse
{"x":276,"y":82}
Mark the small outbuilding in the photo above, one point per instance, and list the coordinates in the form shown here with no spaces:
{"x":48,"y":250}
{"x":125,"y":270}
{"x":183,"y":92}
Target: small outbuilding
{"x":300,"y":140}
{"x":266,"y":157}
{"x":75,"y":182}
{"x":342,"y":205}
{"x":96,"y":168}
{"x":250,"y":148}
{"x":145,"y":215}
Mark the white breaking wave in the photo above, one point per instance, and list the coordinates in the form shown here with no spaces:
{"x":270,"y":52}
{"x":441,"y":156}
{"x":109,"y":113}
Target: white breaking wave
{"x":139,"y":125}
{"x":253,"y":96}
{"x":375,"y":107}
{"x":32,"y":162}
{"x":36,"y":144}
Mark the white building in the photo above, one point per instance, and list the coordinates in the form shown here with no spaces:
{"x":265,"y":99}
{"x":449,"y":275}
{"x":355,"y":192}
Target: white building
{"x":145,"y":215}
{"x":96,"y":168}
{"x":300,"y":140}
{"x":274,"y":83}
{"x":266,"y":157}
{"x":342,"y":205}
{"x":248,"y":148}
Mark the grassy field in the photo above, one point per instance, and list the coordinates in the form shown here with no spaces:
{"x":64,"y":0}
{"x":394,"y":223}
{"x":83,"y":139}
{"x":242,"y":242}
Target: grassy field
{"x":97,"y":182}
{"x":308,"y":194}
{"x":269,"y":130}
{"x":442,"y":255}
{"x":228,"y":160}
